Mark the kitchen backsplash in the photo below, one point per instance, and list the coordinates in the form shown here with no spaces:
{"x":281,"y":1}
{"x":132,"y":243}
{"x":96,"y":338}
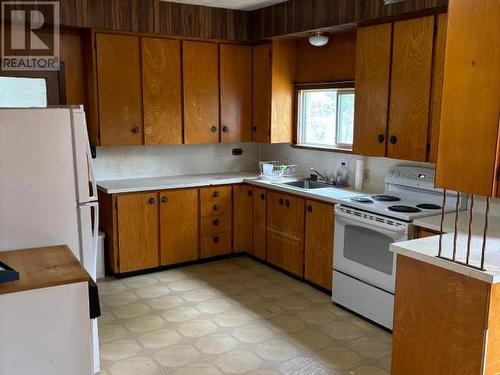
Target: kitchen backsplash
{"x":154,"y":161}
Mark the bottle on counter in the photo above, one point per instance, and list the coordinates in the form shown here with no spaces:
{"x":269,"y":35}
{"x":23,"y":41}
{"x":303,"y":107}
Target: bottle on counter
{"x":341,"y":176}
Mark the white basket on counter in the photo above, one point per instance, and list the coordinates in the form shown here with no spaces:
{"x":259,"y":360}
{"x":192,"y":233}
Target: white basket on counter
{"x":277,"y":169}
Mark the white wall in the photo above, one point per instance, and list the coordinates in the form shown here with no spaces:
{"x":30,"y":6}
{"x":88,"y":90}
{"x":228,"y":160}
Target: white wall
{"x":328,"y":162}
{"x":154,"y":161}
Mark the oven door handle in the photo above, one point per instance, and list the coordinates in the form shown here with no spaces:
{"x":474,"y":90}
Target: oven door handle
{"x":373,"y":225}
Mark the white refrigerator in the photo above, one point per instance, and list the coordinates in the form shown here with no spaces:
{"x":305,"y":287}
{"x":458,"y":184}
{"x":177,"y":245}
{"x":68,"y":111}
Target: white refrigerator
{"x":48,"y":192}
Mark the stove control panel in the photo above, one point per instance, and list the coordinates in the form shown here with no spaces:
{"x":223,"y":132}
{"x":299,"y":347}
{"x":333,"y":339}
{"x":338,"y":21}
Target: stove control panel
{"x":418,"y":177}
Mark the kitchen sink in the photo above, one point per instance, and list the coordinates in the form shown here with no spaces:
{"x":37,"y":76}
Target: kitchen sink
{"x":308,"y":184}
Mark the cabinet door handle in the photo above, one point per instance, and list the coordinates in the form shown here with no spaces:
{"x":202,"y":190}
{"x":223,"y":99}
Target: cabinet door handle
{"x":152,"y":200}
{"x":216,"y":240}
{"x":393,"y":139}
{"x":309,"y":208}
{"x":164,"y":199}
{"x":136,"y":130}
{"x":213,"y":129}
{"x":380,"y":138}
{"x":249,"y":192}
{"x":225,"y":129}
{"x":216,"y":222}
{"x":215,"y":194}
{"x":216,"y":207}
{"x":254,"y":128}
{"x":287,"y":203}
{"x":281,"y":201}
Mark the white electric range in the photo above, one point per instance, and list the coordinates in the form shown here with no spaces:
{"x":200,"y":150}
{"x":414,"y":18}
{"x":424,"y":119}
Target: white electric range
{"x":364,"y":270}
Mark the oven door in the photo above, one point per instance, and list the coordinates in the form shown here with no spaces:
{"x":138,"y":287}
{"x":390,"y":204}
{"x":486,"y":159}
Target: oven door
{"x":361,"y":248}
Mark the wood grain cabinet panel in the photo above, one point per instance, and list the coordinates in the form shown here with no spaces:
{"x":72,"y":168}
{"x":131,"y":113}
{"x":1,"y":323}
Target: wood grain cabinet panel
{"x":161,"y":79}
{"x":318,"y":254}
{"x":179,"y":228}
{"x":216,"y":244}
{"x":201,"y":92}
{"x":235,"y":93}
{"x":216,"y":224}
{"x":119,"y":89}
{"x":285,"y":232}
{"x":218,"y":193}
{"x":137,"y":231}
{"x":470,"y":111}
{"x":261,"y":93}
{"x":410,"y":89}
{"x":243,"y":218}
{"x":373,"y":61}
{"x":259,"y":223}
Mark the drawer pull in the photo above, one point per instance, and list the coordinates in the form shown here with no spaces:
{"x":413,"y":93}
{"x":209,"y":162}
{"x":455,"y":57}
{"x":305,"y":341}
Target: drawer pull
{"x":216,"y":207}
{"x":215,"y":194}
{"x":216,"y":240}
{"x":216,"y":222}
{"x":164,"y":199}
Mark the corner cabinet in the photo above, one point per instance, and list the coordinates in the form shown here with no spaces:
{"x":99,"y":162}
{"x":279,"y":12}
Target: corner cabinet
{"x":273,"y":92}
{"x":398,"y":77}
{"x":468,"y":155}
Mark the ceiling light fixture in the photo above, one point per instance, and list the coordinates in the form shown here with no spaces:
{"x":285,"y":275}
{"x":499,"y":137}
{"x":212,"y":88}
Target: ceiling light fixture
{"x":319,"y":39}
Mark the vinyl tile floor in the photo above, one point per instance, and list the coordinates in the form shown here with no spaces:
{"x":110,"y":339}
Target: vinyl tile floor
{"x":234,"y":316}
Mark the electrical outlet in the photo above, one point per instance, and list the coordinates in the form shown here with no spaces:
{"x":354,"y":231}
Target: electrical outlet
{"x":366,"y":175}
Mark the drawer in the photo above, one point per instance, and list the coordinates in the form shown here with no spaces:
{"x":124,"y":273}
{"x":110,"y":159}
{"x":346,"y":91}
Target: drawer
{"x":216,"y":208}
{"x":216,"y":244}
{"x":216,"y":224}
{"x":218,"y":193}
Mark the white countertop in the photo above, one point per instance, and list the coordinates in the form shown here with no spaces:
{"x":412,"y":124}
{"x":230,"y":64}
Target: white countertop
{"x":129,"y":185}
{"x":434,"y":222}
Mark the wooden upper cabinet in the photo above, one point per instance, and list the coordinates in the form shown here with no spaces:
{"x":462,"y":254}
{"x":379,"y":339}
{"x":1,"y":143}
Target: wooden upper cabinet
{"x":243,"y":218}
{"x":261,"y":93}
{"x":119,"y":89}
{"x":235,"y":93}
{"x":161,"y":77}
{"x":259,"y":223}
{"x":436,"y":86}
{"x":201,"y":92}
{"x":318,"y":254}
{"x":285,"y":232}
{"x":410,"y":89}
{"x":470,"y":112}
{"x":373,"y":61}
{"x":273,"y":91}
{"x":179,"y":226}
{"x":137,"y":231}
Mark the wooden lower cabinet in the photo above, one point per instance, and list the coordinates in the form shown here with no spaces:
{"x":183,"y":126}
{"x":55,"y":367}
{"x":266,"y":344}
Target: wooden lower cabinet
{"x":259,"y":223}
{"x":243,"y":218}
{"x":215,"y":244}
{"x":179,"y":228}
{"x":285,"y":232}
{"x":319,"y":233}
{"x":137,"y":231}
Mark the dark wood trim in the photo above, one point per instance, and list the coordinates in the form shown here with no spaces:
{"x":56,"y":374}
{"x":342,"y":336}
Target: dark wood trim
{"x":327,"y":149}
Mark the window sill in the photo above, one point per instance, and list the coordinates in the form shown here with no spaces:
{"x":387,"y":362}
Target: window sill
{"x":318,"y":148}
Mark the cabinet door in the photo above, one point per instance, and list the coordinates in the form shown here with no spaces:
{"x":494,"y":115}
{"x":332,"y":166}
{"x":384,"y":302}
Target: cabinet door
{"x":161,"y":82}
{"x":179,"y":233}
{"x":285,"y":232}
{"x":119,"y":88}
{"x":261,"y":93}
{"x":410,"y":89}
{"x":373,"y":62}
{"x":235,"y":93}
{"x":470,"y":112}
{"x":243,"y":218}
{"x":259,"y":223}
{"x":201,"y":92}
{"x":137,"y":231}
{"x":436,"y":86}
{"x":318,"y":264}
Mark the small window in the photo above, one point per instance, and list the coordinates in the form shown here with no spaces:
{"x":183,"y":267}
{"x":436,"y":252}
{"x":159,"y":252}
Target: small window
{"x":325,"y":117}
{"x":19,"y":92}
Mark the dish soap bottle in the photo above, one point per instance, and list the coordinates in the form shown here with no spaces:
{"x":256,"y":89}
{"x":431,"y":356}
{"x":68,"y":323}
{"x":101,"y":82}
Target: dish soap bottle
{"x":341,"y":177}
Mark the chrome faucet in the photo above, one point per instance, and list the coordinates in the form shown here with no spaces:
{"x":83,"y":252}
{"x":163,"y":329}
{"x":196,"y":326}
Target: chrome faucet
{"x":316,"y":174}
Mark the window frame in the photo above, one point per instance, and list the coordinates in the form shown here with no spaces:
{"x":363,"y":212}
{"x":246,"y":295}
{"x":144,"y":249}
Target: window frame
{"x":341,"y":85}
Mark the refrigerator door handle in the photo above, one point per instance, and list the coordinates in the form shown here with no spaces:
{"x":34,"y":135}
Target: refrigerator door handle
{"x":90,"y":164}
{"x":95,"y":220}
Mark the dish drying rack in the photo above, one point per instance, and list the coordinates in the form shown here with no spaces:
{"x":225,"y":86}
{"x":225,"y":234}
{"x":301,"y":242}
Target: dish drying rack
{"x":276,"y":169}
